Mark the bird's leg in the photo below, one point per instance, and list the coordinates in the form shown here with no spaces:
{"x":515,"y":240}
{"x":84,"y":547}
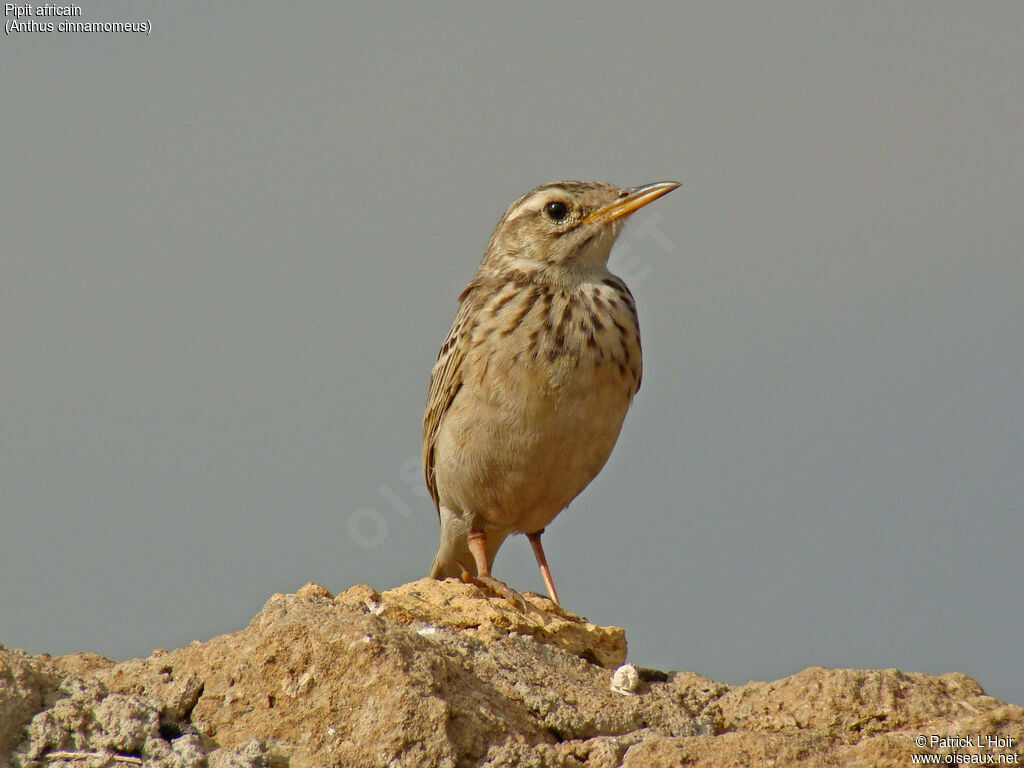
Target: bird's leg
{"x":477,"y":541}
{"x":545,"y":572}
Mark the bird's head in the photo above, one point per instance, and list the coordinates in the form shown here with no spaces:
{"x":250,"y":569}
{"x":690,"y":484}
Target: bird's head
{"x":566,"y":226}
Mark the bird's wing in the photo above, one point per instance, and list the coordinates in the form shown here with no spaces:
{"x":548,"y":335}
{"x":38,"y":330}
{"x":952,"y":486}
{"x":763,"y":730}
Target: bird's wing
{"x":446,"y":381}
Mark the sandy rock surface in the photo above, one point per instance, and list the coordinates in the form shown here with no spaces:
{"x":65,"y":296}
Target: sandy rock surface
{"x":437,"y":674}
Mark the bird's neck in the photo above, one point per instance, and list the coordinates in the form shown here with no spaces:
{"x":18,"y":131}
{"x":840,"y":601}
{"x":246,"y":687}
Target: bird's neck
{"x":527,"y":272}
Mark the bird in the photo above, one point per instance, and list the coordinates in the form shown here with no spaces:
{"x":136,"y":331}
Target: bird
{"x":530,"y":387}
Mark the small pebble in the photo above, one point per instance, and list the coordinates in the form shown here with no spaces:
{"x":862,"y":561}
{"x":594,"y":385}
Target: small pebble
{"x":626,"y":680}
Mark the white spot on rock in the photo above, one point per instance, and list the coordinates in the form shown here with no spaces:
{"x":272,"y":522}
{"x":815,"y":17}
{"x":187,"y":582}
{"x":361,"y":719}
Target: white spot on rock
{"x":360,"y":641}
{"x":626,"y":680}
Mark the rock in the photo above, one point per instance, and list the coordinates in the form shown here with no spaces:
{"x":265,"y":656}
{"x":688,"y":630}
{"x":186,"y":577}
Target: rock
{"x":458,"y":606}
{"x":25,"y":682}
{"x":437,"y":674}
{"x":626,"y":680}
{"x":87,"y":719}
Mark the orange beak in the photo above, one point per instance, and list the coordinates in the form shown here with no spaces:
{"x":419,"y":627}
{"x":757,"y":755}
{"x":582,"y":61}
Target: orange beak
{"x":631,"y":200}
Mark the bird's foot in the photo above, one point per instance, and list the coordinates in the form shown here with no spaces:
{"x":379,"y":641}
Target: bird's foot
{"x":496,"y":587}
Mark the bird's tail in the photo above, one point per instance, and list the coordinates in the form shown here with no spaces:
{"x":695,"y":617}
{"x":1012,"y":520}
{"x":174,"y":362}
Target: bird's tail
{"x":448,"y":565}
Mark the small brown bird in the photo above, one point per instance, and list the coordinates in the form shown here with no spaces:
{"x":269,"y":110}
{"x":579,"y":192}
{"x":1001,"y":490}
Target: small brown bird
{"x":530,"y":388}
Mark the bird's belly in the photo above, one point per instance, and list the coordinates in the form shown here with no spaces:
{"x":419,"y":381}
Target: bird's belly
{"x":522,"y":440}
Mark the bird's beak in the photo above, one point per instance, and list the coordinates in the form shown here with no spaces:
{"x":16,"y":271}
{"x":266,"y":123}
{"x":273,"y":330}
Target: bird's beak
{"x":630,"y":201}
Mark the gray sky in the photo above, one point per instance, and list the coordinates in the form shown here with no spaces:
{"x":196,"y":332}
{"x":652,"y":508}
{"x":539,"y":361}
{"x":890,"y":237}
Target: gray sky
{"x":232,"y":248}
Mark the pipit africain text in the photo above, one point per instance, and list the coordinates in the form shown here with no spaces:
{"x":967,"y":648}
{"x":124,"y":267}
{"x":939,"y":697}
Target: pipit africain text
{"x":530,"y":388}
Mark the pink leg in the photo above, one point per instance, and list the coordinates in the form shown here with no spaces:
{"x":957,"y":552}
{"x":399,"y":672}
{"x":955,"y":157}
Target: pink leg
{"x":477,"y":541}
{"x":545,"y":572}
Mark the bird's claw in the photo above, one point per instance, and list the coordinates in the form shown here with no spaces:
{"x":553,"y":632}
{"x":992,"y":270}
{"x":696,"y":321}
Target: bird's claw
{"x":496,"y":587}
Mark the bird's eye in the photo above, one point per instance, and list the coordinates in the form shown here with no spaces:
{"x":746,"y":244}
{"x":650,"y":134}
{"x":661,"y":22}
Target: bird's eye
{"x":556,"y":210}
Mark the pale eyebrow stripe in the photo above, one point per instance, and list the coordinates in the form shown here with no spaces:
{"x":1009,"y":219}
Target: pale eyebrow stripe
{"x":520,"y":206}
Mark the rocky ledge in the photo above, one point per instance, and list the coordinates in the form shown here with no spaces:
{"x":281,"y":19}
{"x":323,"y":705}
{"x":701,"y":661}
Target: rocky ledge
{"x":436,"y":674}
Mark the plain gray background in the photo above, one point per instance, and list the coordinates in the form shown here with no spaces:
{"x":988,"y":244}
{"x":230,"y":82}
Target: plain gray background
{"x":231,"y":250}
